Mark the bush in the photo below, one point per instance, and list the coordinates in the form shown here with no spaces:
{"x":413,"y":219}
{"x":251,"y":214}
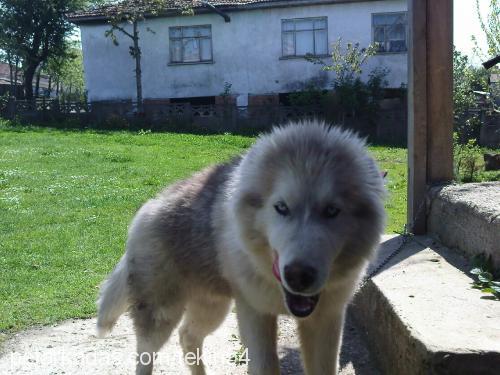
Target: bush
{"x":465,"y":159}
{"x":311,"y":95}
{"x":354,"y":97}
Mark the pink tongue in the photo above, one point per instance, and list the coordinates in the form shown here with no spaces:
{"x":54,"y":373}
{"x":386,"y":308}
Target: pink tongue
{"x":276,"y":267}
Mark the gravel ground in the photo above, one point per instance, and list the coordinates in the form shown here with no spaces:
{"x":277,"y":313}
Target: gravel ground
{"x":72,"y":348}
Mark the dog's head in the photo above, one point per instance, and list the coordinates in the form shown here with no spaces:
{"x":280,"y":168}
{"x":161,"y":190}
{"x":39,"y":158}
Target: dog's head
{"x":306,"y":196}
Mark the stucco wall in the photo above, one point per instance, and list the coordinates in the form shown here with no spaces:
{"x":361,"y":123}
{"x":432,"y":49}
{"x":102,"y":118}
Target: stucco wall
{"x":246,"y":53}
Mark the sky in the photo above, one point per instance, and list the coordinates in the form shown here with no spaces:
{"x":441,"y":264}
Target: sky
{"x":466,"y":24}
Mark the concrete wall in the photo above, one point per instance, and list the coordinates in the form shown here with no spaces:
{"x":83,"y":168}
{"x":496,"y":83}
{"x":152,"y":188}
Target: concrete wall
{"x":246,"y":53}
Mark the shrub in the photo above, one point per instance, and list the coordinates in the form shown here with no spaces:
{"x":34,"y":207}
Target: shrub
{"x":352,"y":95}
{"x":465,"y":159}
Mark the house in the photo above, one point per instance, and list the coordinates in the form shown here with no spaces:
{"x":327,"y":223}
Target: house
{"x":6,"y":86}
{"x":255,"y":46}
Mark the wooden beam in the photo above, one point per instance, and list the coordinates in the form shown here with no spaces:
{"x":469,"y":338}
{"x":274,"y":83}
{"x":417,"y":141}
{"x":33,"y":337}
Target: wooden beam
{"x":417,"y":116}
{"x":439,"y":91}
{"x":430,"y":103}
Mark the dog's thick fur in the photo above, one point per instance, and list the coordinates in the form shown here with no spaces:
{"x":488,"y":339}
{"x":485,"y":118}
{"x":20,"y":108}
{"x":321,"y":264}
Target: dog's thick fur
{"x":212,"y":238}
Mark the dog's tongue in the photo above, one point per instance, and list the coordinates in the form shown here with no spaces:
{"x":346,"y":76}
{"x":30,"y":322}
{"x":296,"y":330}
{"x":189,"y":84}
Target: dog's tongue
{"x":276,"y":267}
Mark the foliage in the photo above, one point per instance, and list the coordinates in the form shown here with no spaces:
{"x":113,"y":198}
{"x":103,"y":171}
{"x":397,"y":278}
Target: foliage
{"x":311,"y":95}
{"x":226,"y":93}
{"x":39,"y":30}
{"x":487,"y":278}
{"x":491,"y":29}
{"x":68,"y":71}
{"x":469,"y":162}
{"x":352,"y":95}
{"x":4,"y":99}
{"x":466,"y":80}
{"x":347,"y":62}
{"x":465,"y":159}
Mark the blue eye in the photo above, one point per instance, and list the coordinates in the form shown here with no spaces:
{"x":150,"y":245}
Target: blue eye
{"x":330,"y":212}
{"x":282,"y":208}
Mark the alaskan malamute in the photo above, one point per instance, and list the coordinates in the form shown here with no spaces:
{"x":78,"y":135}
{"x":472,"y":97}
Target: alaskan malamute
{"x":287,"y":228}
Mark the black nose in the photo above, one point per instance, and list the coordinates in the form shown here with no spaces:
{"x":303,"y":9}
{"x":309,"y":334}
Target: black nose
{"x":299,"y":277}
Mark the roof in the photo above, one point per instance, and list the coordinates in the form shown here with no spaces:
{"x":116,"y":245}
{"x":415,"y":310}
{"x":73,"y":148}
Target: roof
{"x":172,"y":7}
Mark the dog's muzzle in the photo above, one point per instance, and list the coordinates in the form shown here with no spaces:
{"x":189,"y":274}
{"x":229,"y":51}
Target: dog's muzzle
{"x":299,"y":278}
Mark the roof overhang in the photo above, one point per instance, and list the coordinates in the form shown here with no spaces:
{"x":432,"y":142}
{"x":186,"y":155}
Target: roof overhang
{"x":100,"y":19}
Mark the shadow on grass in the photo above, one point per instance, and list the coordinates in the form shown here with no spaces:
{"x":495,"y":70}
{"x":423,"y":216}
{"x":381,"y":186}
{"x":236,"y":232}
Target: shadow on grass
{"x":146,"y":128}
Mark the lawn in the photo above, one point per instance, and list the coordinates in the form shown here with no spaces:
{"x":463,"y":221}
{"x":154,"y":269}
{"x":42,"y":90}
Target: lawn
{"x":66,"y":198}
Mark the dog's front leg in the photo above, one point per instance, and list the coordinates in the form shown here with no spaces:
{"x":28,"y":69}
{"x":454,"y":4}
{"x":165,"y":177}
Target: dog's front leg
{"x":258,"y":335}
{"x":320,"y":338}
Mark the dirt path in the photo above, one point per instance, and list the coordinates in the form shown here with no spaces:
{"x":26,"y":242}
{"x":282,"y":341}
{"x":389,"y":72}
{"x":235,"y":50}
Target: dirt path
{"x":72,"y":348}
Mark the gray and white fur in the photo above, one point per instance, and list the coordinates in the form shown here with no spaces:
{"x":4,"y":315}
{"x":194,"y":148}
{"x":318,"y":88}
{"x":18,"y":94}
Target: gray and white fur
{"x":306,"y":198}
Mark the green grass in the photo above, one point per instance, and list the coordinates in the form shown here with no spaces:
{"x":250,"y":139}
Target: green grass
{"x":66,"y":198}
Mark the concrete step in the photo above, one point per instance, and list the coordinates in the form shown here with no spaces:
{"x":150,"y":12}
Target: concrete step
{"x":467,"y":217}
{"x":421,"y":316}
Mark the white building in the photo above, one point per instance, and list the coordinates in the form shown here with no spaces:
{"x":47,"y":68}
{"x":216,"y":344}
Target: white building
{"x":260,"y":51}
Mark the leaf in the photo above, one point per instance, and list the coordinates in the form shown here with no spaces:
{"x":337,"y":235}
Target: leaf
{"x":476,"y":271}
{"x":485,"y":277}
{"x":496,"y":283}
{"x":495,"y":288}
{"x":487,"y":290}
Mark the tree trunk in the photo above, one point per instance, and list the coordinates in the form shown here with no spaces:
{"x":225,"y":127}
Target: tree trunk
{"x":37,"y":85}
{"x":57,"y":88}
{"x":138,"y":71}
{"x":29,"y":73}
{"x":11,"y":74}
{"x":16,"y":76}
{"x":49,"y":89}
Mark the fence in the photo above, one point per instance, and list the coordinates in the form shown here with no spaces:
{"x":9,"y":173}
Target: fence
{"x":390,"y":124}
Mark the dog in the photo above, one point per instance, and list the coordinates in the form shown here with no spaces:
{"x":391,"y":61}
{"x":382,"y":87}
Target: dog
{"x":287,"y":228}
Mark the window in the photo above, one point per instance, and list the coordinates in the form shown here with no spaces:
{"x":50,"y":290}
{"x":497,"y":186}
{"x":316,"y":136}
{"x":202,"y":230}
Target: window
{"x":389,"y":31}
{"x":190,"y":44}
{"x":302,"y":36}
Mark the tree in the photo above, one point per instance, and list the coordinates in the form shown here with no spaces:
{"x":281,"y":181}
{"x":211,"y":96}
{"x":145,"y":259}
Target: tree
{"x":132,"y":12}
{"x":39,"y":29}
{"x":466,"y":80}
{"x":491,"y":29}
{"x":9,"y":54}
{"x":352,"y":95}
{"x":67,"y":74}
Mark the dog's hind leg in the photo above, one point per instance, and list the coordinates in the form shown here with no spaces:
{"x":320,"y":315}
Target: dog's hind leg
{"x":202,"y":317}
{"x":153,"y":326}
{"x":258,"y":333}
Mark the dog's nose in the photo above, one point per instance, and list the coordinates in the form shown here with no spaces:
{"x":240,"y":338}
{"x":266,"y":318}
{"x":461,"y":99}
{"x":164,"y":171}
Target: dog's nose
{"x":299,"y":277}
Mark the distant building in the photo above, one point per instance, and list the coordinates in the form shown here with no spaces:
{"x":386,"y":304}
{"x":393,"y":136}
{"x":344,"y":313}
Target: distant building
{"x":5,"y":83}
{"x":260,"y":52}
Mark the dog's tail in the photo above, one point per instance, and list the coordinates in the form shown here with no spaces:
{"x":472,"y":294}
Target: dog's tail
{"x":113,"y":299}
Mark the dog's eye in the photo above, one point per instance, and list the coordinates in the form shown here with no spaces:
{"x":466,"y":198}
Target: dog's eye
{"x":330,"y":212}
{"x":282,"y":208}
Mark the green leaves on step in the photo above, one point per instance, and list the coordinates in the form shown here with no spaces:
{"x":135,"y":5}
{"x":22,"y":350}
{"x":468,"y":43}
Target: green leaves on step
{"x":485,"y":275}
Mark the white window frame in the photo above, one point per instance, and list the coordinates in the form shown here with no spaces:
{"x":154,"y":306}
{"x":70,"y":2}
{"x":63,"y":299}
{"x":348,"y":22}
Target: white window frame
{"x":197,"y":38}
{"x":385,"y":32}
{"x":295,"y":20}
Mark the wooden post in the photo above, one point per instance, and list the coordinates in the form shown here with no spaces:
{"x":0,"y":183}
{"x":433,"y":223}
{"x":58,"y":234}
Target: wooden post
{"x":430,"y":103}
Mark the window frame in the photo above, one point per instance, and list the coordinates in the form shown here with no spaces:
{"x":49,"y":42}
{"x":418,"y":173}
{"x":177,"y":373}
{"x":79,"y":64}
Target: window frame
{"x":385,"y":41}
{"x":198,"y":38}
{"x":295,"y":56}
